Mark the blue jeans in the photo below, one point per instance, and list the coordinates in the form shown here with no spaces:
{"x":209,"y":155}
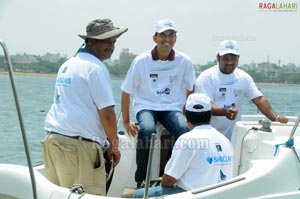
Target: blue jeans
{"x":157,"y":191}
{"x":173,"y":121}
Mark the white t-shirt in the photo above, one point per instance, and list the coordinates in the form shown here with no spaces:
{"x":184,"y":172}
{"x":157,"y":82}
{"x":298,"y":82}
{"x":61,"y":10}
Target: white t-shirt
{"x":82,"y":88}
{"x":159,"y":85}
{"x":226,"y":90}
{"x":200,"y":158}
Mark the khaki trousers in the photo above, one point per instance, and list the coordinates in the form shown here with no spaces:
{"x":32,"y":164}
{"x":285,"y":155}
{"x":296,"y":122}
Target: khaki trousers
{"x":71,"y":161}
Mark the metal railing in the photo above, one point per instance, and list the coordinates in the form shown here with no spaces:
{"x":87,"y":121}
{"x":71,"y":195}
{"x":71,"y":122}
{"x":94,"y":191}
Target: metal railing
{"x":11,"y":75}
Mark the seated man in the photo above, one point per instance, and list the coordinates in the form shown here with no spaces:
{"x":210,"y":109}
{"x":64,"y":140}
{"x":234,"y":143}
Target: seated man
{"x":206,"y":153}
{"x":159,"y":81}
{"x":226,"y":85}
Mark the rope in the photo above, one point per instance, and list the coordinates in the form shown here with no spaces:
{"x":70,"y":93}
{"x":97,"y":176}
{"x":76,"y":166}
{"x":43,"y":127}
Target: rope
{"x":109,"y":175}
{"x":78,"y":189}
{"x":288,"y":144}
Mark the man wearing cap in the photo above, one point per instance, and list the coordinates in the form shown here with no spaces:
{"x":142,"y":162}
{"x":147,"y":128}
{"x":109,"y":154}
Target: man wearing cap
{"x":82,"y":118}
{"x":159,"y":79}
{"x":201,"y":157}
{"x":226,"y":85}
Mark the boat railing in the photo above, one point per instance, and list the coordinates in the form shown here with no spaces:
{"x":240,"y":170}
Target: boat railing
{"x":147,"y":183}
{"x":10,"y":71}
{"x":295,"y":127}
{"x":232,"y":181}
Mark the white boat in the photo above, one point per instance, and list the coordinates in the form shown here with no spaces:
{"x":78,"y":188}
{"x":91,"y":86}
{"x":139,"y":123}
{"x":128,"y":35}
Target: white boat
{"x":266,"y":165}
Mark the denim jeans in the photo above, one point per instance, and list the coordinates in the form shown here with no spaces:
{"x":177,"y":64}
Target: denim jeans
{"x":173,"y":121}
{"x":157,"y":191}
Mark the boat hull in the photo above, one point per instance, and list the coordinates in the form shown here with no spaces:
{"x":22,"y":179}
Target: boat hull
{"x":259,"y":171}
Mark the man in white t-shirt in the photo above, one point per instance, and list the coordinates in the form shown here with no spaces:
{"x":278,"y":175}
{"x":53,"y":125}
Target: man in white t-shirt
{"x":201,"y":157}
{"x":159,"y":79}
{"x":226,"y":85}
{"x":82,"y":117}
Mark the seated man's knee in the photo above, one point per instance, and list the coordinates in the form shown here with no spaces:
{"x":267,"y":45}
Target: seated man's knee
{"x":146,"y":130}
{"x":145,"y":136}
{"x":147,"y":123}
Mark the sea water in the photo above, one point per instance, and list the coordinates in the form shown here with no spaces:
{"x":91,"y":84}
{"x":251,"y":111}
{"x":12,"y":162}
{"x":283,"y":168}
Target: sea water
{"x":36,"y":95}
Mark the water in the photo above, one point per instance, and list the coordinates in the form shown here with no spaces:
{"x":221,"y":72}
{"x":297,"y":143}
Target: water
{"x":35,"y":95}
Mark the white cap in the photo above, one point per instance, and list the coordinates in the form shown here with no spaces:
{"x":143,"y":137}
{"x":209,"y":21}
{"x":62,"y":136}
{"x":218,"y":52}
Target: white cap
{"x":229,"y":47}
{"x":198,"y":102}
{"x":165,"y":24}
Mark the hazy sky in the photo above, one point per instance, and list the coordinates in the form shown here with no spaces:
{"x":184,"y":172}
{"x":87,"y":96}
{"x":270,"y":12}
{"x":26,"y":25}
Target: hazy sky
{"x":40,"y":26}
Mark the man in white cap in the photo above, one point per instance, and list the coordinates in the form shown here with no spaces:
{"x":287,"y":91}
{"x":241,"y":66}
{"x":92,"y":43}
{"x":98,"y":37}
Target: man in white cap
{"x":226,"y":85}
{"x":200,"y":157}
{"x":159,"y":79}
{"x":82,"y":118}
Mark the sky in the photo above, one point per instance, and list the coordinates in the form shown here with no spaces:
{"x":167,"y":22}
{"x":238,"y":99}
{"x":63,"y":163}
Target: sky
{"x":41,"y":26}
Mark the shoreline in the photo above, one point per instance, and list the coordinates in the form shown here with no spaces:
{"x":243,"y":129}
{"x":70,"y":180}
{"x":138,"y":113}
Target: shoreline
{"x":47,"y":74}
{"x":275,"y":84}
{"x":121,"y":78}
{"x":30,"y":74}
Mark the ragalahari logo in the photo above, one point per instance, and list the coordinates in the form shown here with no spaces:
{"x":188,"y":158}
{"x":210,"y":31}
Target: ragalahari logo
{"x":277,"y":7}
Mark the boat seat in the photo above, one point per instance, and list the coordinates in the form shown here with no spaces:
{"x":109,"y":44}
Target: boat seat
{"x":127,"y":192}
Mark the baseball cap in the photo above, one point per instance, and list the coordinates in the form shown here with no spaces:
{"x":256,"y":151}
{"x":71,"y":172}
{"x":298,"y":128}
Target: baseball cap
{"x":198,"y":102}
{"x":165,"y":24}
{"x":229,"y":47}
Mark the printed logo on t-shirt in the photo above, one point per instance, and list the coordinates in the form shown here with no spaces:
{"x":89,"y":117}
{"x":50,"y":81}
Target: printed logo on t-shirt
{"x":218,"y":147}
{"x":63,"y":80}
{"x":57,"y":99}
{"x":154,"y":75}
{"x":209,"y":160}
{"x":173,"y":78}
{"x":64,"y":70}
{"x":222,"y":175}
{"x":226,"y":159}
{"x":237,"y":92}
{"x":222,"y":90}
{"x":154,"y":78}
{"x":166,"y":91}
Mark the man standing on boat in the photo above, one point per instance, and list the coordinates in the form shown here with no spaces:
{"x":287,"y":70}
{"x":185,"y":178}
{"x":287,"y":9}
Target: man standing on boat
{"x":82,"y":117}
{"x":226,"y":85}
{"x":201,"y":157}
{"x":160,"y":79}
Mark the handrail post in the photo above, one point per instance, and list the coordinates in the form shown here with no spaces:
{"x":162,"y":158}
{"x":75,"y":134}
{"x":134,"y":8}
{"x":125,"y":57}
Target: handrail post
{"x":10,"y":71}
{"x":295,"y":128}
{"x":147,"y":183}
